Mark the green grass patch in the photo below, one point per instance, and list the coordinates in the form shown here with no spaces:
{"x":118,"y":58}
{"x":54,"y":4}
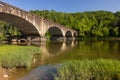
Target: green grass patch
{"x":12,"y":56}
{"x":101,"y":69}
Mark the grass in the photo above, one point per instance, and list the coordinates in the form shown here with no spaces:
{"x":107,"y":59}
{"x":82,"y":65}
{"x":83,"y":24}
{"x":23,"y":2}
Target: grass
{"x":101,"y":69}
{"x":12,"y":56}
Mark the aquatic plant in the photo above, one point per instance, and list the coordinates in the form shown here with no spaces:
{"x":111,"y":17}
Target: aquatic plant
{"x":101,"y":69}
{"x":12,"y":56}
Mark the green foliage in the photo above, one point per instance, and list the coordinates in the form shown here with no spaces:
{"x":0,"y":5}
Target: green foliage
{"x":7,"y":30}
{"x":48,"y":35}
{"x":100,"y":69}
{"x":89,"y":24}
{"x":114,"y":31}
{"x":12,"y":56}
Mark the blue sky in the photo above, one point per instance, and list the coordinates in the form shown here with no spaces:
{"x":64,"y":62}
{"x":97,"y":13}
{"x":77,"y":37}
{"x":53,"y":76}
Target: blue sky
{"x":67,"y":5}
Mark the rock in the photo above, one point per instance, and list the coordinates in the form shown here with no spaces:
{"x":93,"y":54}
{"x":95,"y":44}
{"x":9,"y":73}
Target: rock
{"x":6,"y":75}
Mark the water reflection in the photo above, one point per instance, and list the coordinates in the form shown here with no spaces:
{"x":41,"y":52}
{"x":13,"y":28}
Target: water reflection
{"x":76,"y":50}
{"x":79,"y":49}
{"x":88,"y":50}
{"x":83,"y":49}
{"x":57,"y":52}
{"x":49,"y":49}
{"x":53,"y":47}
{"x":100,"y":49}
{"x":58,"y":47}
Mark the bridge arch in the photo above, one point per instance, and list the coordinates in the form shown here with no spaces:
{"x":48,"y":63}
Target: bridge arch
{"x":54,"y":32}
{"x":68,"y":34}
{"x":25,"y":27}
{"x":31,"y":24}
{"x":74,"y":34}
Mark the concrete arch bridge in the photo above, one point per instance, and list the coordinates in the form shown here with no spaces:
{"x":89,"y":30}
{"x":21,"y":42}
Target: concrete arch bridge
{"x":33,"y":27}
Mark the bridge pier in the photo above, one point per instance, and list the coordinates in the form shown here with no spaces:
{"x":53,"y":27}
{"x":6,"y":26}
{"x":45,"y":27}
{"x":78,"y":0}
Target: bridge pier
{"x":66,"y":38}
{"x":33,"y":38}
{"x":70,"y":38}
{"x":63,"y":38}
{"x":36,"y":38}
{"x":73,"y":38}
{"x":43,"y":38}
{"x":29,"y":38}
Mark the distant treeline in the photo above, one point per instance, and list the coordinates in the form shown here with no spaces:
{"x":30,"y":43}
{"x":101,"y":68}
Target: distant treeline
{"x":88,"y":24}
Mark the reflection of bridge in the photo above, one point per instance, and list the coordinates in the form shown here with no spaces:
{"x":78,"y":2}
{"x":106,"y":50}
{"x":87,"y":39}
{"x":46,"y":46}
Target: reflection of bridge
{"x":54,"y":48}
{"x":32,"y":26}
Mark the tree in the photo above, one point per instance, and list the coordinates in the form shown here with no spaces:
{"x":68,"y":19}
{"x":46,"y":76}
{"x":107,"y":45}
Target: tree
{"x":8,"y":30}
{"x":89,"y":23}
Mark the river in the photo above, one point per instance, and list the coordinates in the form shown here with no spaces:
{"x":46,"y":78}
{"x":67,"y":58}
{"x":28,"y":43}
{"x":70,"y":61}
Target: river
{"x":57,"y":52}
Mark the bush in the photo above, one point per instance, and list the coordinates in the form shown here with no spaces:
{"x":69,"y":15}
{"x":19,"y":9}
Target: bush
{"x":101,"y":69}
{"x":12,"y":56}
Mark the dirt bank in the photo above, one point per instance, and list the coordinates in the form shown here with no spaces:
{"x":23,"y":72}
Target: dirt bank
{"x":3,"y":74}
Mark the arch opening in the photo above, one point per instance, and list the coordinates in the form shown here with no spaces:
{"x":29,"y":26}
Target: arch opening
{"x":54,"y":33}
{"x":68,"y":35}
{"x":28,"y":30}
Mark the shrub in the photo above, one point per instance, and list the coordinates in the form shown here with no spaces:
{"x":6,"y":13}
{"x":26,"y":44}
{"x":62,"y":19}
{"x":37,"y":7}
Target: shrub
{"x":101,"y":69}
{"x":12,"y":56}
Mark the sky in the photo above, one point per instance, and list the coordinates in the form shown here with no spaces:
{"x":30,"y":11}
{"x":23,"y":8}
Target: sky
{"x":66,"y":5}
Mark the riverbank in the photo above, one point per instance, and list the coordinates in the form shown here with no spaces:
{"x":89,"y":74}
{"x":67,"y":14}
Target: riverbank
{"x":12,"y":56}
{"x":98,"y":38}
{"x":3,"y":74}
{"x":91,"y":50}
{"x":100,"y":69}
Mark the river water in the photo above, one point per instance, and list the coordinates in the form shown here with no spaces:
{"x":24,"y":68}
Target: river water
{"x":57,"y":52}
